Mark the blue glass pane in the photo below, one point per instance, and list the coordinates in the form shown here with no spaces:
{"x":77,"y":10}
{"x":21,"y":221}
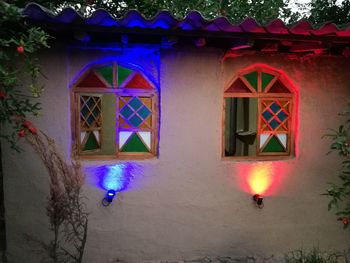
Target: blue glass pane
{"x":144,"y":112}
{"x":90,"y":102}
{"x":90,"y":119}
{"x":275,"y":107}
{"x":135,"y":121}
{"x":84,"y":110}
{"x":267,"y":115}
{"x":135,"y":103}
{"x":95,"y":111}
{"x":282,"y":116}
{"x":126,"y":112}
{"x":274,"y":124}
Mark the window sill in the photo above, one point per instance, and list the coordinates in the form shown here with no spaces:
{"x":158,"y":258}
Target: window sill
{"x":115,"y":158}
{"x":257,"y":158}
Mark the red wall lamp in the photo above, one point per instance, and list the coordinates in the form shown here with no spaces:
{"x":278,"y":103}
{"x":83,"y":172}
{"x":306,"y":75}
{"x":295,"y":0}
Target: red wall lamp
{"x":258,"y":200}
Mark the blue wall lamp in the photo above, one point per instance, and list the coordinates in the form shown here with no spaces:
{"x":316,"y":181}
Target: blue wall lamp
{"x":108,"y":198}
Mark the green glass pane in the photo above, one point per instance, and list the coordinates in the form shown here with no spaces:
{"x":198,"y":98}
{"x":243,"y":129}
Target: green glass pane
{"x":252,"y":78}
{"x":123,"y":73}
{"x":274,"y":146}
{"x":134,"y":144}
{"x":107,"y":73}
{"x":91,"y":143}
{"x":266,"y":79}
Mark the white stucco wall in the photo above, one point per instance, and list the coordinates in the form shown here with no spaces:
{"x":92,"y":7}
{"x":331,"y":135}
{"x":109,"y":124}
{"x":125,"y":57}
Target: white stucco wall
{"x":189,"y":203}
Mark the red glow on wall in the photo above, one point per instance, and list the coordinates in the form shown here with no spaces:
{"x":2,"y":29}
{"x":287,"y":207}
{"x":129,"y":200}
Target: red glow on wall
{"x":260,"y":178}
{"x":264,"y":178}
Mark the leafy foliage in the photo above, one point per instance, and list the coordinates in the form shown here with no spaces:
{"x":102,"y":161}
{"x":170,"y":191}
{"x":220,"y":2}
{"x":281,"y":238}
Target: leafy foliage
{"x":329,"y":11}
{"x":18,"y":68}
{"x":317,"y":11}
{"x":340,"y":192}
{"x":235,"y":10}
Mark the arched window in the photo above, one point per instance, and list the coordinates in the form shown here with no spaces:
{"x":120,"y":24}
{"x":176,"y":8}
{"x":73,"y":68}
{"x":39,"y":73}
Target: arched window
{"x":115,"y":112}
{"x":259,"y":115}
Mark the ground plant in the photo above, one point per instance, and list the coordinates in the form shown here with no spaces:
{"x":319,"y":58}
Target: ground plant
{"x":339,"y":190}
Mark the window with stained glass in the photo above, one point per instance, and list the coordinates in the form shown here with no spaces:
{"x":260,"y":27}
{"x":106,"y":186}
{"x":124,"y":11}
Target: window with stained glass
{"x":115,"y":113}
{"x":259,"y":106}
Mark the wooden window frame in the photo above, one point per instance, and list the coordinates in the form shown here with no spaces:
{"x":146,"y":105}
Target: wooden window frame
{"x":261,"y":96}
{"x":118,"y":91}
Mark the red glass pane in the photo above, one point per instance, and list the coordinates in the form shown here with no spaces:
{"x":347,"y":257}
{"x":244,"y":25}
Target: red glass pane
{"x":278,"y":87}
{"x":138,"y":82}
{"x":91,"y":81}
{"x":238,"y":87}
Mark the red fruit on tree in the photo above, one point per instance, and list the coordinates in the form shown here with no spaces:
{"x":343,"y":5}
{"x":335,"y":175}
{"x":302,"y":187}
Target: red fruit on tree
{"x":26,"y":124}
{"x":2,"y":95}
{"x":20,"y":49}
{"x":22,"y":133}
{"x":33,"y":130}
{"x":345,"y":220}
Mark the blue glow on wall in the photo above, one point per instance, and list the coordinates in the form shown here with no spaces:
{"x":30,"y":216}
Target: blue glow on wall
{"x":115,"y":177}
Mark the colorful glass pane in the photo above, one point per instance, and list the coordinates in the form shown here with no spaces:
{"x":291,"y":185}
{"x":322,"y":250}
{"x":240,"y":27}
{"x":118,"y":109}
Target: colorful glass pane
{"x":144,"y":112}
{"x":283,"y":127}
{"x":282,"y":116}
{"x":274,"y":124}
{"x":84,"y":110}
{"x":138,"y":82}
{"x":123,"y":73}
{"x":95,"y":111}
{"x":144,"y":125}
{"x":263,"y":139}
{"x":97,"y":136}
{"x":267,"y":115}
{"x":91,"y":81}
{"x":126,"y":112}
{"x":123,"y":123}
{"x":90,"y":111}
{"x":107,"y":73}
{"x":283,"y":139}
{"x":135,"y":121}
{"x":134,"y":144}
{"x":126,"y":98}
{"x":266,"y":79}
{"x":91,"y":143}
{"x":252,"y":78}
{"x":146,"y":138}
{"x":82,"y":136}
{"x":121,"y":103}
{"x":239,"y":87}
{"x":90,"y":119}
{"x":275,"y":107}
{"x":264,"y":127}
{"x":274,"y":145}
{"x":278,"y":87}
{"x":135,"y":103}
{"x":285,"y":105}
{"x":123,"y":137}
{"x":146,"y":101}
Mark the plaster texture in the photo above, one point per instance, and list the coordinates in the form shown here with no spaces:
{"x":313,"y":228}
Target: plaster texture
{"x":188,"y":203}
